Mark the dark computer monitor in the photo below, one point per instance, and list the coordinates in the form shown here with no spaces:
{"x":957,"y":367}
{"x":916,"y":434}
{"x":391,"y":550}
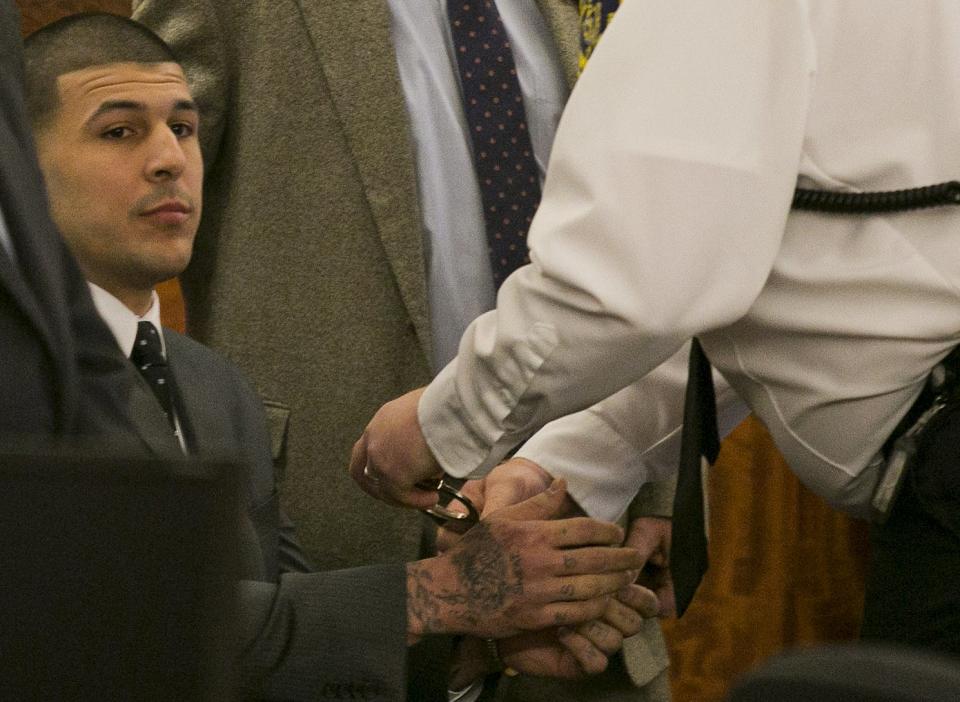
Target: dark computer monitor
{"x":117,"y":578}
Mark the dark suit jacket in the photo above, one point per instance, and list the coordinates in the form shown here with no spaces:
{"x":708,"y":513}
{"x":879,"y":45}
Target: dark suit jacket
{"x":61,"y":372}
{"x":331,"y":635}
{"x":307,"y":636}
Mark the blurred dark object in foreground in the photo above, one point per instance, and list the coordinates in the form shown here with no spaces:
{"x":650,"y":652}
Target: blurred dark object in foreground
{"x":117,"y":578}
{"x":853,"y":673}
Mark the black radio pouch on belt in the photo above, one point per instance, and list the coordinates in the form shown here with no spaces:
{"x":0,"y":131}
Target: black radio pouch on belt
{"x":941,"y":393}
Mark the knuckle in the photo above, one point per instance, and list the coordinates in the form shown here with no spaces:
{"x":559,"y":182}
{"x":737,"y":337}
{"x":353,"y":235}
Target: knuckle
{"x":560,"y":617}
{"x":632,"y":622}
{"x":612,"y":644}
{"x":595,"y":663}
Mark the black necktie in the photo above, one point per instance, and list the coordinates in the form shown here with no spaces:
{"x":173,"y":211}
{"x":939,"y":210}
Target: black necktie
{"x":502,"y":151}
{"x":147,"y":356}
{"x":688,"y":549}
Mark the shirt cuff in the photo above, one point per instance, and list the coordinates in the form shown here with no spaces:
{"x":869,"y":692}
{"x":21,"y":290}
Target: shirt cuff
{"x":471,"y":693}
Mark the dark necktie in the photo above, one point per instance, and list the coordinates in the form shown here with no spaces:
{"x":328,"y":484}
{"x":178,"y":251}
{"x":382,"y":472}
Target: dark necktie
{"x":688,"y":549}
{"x":147,"y":356}
{"x":502,"y":151}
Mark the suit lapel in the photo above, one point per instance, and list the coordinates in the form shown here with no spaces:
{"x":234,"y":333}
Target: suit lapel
{"x":199,"y":410}
{"x":563,"y":18}
{"x":373,"y":116}
{"x":149,"y":420}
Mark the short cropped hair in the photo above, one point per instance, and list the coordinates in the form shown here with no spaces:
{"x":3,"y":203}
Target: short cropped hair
{"x":82,"y":41}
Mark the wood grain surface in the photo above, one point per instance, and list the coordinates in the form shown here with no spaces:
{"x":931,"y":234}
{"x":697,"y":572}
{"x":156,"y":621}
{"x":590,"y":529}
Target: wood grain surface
{"x":36,"y":13}
{"x":785,"y":570}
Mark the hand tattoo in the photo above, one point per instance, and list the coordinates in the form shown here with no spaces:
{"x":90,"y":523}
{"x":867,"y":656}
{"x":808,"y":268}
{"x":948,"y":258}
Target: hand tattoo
{"x":487,"y":576}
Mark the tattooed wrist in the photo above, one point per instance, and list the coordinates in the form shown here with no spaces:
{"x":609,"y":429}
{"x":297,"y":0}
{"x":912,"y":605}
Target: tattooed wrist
{"x":466,"y":590}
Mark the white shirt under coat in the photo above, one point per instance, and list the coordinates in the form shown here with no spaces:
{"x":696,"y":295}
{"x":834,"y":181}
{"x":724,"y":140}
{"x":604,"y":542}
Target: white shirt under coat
{"x":460,"y":281}
{"x":666,"y":214}
{"x":123,"y":322}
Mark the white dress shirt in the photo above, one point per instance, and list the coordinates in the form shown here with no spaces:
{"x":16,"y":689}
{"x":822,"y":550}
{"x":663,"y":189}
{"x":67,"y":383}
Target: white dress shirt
{"x":666,"y":214}
{"x":123,"y":322}
{"x":460,"y":282}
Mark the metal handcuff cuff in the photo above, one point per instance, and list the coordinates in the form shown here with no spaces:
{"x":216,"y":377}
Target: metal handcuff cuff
{"x":458,"y":521}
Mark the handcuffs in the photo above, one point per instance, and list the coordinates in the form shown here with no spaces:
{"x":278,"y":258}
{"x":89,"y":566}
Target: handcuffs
{"x":445,"y":512}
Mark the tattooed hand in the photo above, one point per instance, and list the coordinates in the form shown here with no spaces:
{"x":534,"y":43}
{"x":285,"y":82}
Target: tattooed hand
{"x":573,"y":653}
{"x":561,"y":652}
{"x":519,"y":571}
{"x":509,"y":483}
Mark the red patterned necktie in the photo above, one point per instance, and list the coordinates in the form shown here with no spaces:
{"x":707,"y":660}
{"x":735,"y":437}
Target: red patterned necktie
{"x":502,"y":151}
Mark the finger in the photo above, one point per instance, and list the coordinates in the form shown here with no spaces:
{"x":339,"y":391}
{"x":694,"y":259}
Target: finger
{"x":605,"y":638}
{"x":358,"y":458}
{"x":376,"y":485}
{"x":401,"y":493}
{"x":624,"y":619}
{"x":668,"y":603}
{"x":640,"y":600}
{"x":590,"y":658}
{"x":580,"y":531}
{"x":651,"y":537}
{"x":476,"y":492}
{"x":568,"y":613}
{"x":576,"y":587}
{"x":542,"y":506}
{"x":597,"y":559}
{"x":503,"y":493}
{"x":361,"y":471}
{"x":446,"y":539}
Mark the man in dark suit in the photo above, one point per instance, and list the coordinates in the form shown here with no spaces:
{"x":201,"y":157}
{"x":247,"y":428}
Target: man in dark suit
{"x":116,"y":131}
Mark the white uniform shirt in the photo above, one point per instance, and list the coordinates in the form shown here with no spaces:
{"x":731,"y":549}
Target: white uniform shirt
{"x":666,"y":214}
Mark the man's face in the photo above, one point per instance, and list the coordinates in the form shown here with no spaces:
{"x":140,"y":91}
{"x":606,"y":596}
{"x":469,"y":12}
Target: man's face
{"x":124,"y":173}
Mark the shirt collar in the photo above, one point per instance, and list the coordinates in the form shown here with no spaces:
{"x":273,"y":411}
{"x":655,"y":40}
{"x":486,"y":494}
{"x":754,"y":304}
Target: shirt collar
{"x":123,"y":322}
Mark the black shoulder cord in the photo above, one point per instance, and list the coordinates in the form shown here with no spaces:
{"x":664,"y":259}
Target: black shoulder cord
{"x":878,"y":201}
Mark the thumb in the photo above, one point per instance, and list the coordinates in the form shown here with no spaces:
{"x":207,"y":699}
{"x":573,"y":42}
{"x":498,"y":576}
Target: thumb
{"x":651,"y":537}
{"x":544,"y":505}
{"x":500,"y":494}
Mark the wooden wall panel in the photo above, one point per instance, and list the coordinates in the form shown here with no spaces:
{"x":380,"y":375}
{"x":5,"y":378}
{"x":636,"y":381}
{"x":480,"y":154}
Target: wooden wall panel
{"x":785,"y":569}
{"x":36,"y":13}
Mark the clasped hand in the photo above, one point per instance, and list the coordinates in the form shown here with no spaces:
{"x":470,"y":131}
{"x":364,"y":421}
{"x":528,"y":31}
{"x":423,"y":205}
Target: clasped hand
{"x":558,"y":651}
